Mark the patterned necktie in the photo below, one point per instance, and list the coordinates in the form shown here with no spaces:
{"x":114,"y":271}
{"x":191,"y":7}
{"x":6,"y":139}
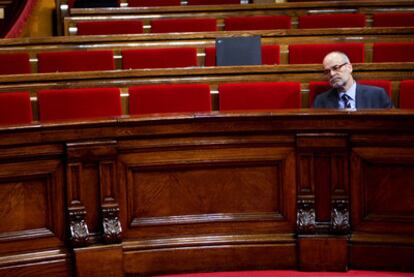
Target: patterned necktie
{"x":346,"y":98}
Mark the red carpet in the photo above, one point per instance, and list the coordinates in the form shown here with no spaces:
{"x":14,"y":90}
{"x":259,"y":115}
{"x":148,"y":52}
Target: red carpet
{"x":291,"y":273}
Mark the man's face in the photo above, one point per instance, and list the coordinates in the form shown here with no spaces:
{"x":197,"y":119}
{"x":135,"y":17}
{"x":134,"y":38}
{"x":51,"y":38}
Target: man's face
{"x":337,"y":71}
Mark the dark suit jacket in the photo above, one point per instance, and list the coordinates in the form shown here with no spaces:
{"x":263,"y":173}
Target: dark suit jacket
{"x":367,"y":97}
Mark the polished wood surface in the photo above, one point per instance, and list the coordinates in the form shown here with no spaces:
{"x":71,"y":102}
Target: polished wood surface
{"x":216,"y":191}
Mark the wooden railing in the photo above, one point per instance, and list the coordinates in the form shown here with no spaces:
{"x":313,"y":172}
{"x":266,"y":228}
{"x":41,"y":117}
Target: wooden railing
{"x":308,"y":189}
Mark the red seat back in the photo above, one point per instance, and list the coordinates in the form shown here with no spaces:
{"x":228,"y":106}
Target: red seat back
{"x":169,"y":98}
{"x":344,"y":20}
{"x":76,"y":61}
{"x":260,"y":22}
{"x":183,"y":25}
{"x":394,"y":19}
{"x":259,"y":96}
{"x":153,"y":3}
{"x":159,"y":58}
{"x":15,"y":63}
{"x":314,"y":53}
{"x":67,"y":104}
{"x":110,"y":27}
{"x":393,"y":52}
{"x":406,"y":94}
{"x":270,"y":55}
{"x":15,"y":108}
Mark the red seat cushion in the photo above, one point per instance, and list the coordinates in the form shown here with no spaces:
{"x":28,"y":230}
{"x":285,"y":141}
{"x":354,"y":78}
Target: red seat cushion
{"x":159,"y":58}
{"x":393,"y":52}
{"x":317,"y":87}
{"x":67,"y":104}
{"x":153,"y":3}
{"x":270,"y":55}
{"x":394,"y":19}
{"x":183,"y":25}
{"x":314,"y":53}
{"x":263,"y":22}
{"x":76,"y":61}
{"x":15,"y":108}
{"x":259,"y":96}
{"x":15,"y":63}
{"x":212,"y":2}
{"x":110,"y":27}
{"x":344,"y":20}
{"x":169,"y":98}
{"x":407,"y":94}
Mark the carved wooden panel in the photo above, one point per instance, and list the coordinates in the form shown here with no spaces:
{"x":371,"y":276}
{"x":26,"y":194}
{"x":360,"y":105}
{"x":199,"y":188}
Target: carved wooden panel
{"x":178,"y":192}
{"x":31,"y":205}
{"x":383,"y":189}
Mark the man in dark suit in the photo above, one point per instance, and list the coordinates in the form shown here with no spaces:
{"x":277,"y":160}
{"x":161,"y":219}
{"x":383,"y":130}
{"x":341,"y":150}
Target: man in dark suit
{"x":345,"y":92}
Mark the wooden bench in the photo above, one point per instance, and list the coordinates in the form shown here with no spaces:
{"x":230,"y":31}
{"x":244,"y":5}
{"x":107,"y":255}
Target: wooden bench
{"x":310,"y":190}
{"x":293,"y":10}
{"x":201,"y":41}
{"x":123,"y":79}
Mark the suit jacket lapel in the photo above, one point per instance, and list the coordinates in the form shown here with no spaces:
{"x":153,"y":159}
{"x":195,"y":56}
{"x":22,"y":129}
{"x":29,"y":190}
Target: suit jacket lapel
{"x":333,"y":99}
{"x":359,"y":101}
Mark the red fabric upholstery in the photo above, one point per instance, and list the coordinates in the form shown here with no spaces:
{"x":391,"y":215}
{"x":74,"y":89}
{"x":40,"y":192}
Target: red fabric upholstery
{"x":317,"y":87}
{"x":314,"y":53}
{"x":270,"y":55}
{"x":71,"y":3}
{"x":15,"y":63}
{"x":393,"y":52}
{"x":260,"y":22}
{"x":153,"y":3}
{"x":344,"y":20}
{"x":67,"y":104}
{"x":396,"y":19}
{"x":110,"y":27}
{"x":183,"y":25}
{"x":385,"y":84}
{"x":169,"y":98}
{"x":407,"y":94}
{"x":212,"y":2}
{"x":259,"y":96}
{"x":76,"y":61}
{"x":159,"y":58}
{"x":15,"y":108}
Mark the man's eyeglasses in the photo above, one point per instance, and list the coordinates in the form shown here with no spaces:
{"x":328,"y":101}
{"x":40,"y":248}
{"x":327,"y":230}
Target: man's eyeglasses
{"x":334,"y":68}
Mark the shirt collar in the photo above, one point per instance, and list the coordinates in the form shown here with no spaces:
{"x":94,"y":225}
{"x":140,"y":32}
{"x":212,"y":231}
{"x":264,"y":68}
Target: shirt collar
{"x":350,"y":92}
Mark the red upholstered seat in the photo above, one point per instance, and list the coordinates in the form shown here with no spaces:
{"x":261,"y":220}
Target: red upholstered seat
{"x":159,"y":58}
{"x":110,"y":27}
{"x":314,"y":53}
{"x":406,"y":94}
{"x":153,"y":3}
{"x":393,"y":52}
{"x":343,"y":20}
{"x":183,"y":25}
{"x":15,"y":108}
{"x":15,"y":63}
{"x":270,"y":55}
{"x":67,"y":104}
{"x":212,"y":2}
{"x":259,"y":96}
{"x":317,"y":87}
{"x":260,"y":22}
{"x":394,"y":19}
{"x":169,"y":98}
{"x":76,"y":61}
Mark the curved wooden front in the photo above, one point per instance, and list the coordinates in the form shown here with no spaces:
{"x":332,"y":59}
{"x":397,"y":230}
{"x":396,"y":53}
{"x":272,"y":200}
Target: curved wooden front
{"x":304,"y":189}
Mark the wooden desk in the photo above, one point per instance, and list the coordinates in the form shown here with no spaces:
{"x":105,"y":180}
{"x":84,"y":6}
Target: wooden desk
{"x":200,"y":192}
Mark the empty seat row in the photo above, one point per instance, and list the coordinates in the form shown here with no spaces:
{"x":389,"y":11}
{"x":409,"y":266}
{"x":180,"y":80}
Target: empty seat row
{"x":240,"y":23}
{"x":80,"y":60}
{"x":70,"y":104}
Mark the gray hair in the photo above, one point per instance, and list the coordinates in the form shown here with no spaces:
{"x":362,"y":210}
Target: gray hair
{"x":341,"y":54}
